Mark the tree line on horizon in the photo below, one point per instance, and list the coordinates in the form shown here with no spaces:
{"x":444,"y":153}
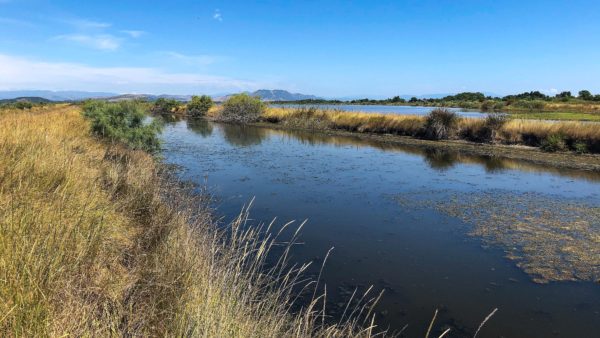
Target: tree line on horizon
{"x":565,"y":96}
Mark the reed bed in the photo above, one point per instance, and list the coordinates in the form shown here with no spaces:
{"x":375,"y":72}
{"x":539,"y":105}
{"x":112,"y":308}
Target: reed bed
{"x":89,"y":246}
{"x":580,"y":136}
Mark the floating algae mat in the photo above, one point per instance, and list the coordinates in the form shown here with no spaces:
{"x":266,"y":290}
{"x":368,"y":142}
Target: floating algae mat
{"x":550,"y":238}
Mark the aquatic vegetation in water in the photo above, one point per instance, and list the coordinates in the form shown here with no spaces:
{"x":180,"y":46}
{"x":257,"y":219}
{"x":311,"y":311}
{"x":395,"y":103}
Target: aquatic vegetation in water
{"x":549,"y":238}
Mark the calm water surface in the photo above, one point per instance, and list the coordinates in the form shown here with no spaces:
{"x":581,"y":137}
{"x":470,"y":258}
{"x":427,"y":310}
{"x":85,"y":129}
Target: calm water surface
{"x":424,"y":259}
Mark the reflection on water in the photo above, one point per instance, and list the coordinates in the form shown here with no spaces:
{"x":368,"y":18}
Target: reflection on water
{"x":440,"y":159}
{"x":243,"y":136}
{"x":200,"y":126}
{"x":437,"y":158}
{"x":348,"y":188}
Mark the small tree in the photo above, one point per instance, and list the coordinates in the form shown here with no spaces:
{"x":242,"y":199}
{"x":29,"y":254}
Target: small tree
{"x":586,"y":95}
{"x":165,"y":106}
{"x":242,"y":108}
{"x":199,"y":106}
{"x":564,"y":96}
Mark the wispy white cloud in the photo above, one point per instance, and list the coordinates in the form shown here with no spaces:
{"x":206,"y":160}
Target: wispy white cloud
{"x":100,"y":41}
{"x":18,"y":73}
{"x":198,"y":60}
{"x":16,"y":22}
{"x":217,"y":15}
{"x":86,"y":24}
{"x":133,"y":33}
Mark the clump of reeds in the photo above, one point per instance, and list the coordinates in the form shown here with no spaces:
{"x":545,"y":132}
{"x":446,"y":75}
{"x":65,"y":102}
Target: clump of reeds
{"x":441,"y":124}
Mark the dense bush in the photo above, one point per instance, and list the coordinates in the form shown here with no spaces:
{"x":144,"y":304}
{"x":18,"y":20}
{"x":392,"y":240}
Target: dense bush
{"x":165,"y":106}
{"x":123,"y":122}
{"x":242,"y":108}
{"x":488,"y":105}
{"x":199,"y":106}
{"x":441,"y":124}
{"x":530,"y":104}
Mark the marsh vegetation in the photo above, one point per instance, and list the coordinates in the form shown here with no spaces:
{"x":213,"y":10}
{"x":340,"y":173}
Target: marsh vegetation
{"x":580,"y":137}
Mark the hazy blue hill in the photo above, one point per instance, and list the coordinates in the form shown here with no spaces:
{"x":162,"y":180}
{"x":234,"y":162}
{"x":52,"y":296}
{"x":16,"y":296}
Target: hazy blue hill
{"x":33,"y":99}
{"x":66,"y":95}
{"x":280,"y":95}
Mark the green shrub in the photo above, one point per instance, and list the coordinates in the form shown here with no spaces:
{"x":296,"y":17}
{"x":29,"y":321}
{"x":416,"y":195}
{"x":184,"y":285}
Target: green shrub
{"x":580,"y":147}
{"x":489,"y":105}
{"x":165,"y":106}
{"x":530,"y":104}
{"x":123,"y":122}
{"x":499,"y":105}
{"x":199,"y":106}
{"x":242,"y":108}
{"x":23,"y":105}
{"x":441,"y":124}
{"x":554,"y":142}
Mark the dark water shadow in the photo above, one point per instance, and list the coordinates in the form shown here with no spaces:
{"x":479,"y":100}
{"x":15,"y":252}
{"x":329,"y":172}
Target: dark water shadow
{"x":200,"y":126}
{"x":243,"y":136}
{"x":440,"y":159}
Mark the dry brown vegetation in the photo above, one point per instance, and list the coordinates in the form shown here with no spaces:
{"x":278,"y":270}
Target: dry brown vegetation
{"x":579,"y":136}
{"x":89,"y":247}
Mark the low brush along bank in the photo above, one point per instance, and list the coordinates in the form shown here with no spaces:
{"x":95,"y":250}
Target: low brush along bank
{"x":89,"y":247}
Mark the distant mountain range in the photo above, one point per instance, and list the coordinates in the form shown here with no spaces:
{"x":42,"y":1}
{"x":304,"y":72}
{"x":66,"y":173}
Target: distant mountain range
{"x":66,"y":95}
{"x":264,"y":94}
{"x":147,"y":97}
{"x":33,"y":99}
{"x":271,"y":95}
{"x":281,"y":95}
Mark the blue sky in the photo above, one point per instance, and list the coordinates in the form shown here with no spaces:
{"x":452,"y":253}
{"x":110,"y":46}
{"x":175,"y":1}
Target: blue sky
{"x":327,"y":48}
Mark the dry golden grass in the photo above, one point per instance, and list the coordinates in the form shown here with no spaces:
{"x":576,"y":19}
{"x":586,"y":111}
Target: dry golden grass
{"x":514,"y":130}
{"x":567,"y":106}
{"x":351,"y":121}
{"x":89,"y":247}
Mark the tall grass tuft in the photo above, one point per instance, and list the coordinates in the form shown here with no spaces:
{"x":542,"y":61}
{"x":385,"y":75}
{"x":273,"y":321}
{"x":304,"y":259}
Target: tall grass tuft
{"x":441,"y":124}
{"x":493,"y":123}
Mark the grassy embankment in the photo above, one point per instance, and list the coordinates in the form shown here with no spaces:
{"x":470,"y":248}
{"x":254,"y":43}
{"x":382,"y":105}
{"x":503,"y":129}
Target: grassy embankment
{"x":88,"y":247}
{"x":573,"y":109}
{"x":551,"y":136}
{"x":556,"y":116}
